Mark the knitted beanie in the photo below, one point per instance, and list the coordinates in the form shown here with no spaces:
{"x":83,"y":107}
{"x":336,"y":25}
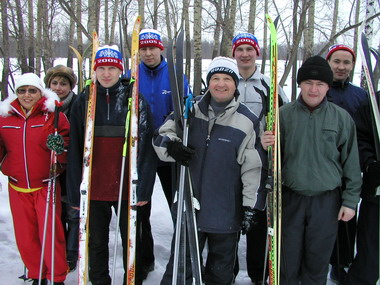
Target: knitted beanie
{"x":245,"y":38}
{"x":30,"y":79}
{"x":224,"y":65}
{"x":108,"y":56}
{"x":316,"y":68}
{"x":60,"y":71}
{"x":335,"y":48}
{"x":150,"y":38}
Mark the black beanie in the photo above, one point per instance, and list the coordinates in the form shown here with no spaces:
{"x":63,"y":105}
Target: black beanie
{"x":316,"y":68}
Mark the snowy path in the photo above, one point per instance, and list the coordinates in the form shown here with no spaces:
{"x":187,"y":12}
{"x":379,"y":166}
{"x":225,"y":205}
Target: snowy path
{"x":11,"y":265}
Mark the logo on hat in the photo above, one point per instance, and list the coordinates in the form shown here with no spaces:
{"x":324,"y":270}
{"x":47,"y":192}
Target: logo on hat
{"x":108,"y":56}
{"x":150,"y":38}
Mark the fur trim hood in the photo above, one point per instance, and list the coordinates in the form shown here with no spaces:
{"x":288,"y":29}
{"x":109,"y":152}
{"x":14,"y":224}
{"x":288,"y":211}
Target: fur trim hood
{"x":6,"y":108}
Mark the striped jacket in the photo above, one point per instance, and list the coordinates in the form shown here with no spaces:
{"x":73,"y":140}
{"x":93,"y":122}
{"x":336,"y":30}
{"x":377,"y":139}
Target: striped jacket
{"x":227,"y":168}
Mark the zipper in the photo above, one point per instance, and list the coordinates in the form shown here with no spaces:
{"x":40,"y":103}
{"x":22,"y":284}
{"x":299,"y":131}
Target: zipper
{"x":108,"y":104}
{"x":25,"y":156}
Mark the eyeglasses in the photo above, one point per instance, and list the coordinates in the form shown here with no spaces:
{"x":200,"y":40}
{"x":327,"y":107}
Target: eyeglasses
{"x":29,"y":90}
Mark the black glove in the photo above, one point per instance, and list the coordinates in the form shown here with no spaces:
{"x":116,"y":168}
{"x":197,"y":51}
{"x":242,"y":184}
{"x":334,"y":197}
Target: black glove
{"x":55,"y":143}
{"x":182,"y":154}
{"x":250,"y":219}
{"x":373,"y":174}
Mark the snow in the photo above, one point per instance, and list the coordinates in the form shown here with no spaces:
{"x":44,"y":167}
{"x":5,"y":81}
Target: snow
{"x":11,"y":265}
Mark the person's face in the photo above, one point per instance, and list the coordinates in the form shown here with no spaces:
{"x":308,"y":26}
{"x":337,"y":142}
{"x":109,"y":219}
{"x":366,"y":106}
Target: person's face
{"x":61,"y":86}
{"x":107,"y":76}
{"x":28,"y":96}
{"x":313,"y":92}
{"x":245,"y":56}
{"x":150,"y":56}
{"x":341,"y":63}
{"x":222,"y":87}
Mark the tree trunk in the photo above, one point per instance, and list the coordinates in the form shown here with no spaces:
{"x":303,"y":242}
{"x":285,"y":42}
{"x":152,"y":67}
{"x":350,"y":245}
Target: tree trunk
{"x":197,"y":32}
{"x":265,"y":42}
{"x":21,"y":39}
{"x":141,"y":12}
{"x":5,"y":50}
{"x":252,"y":16}
{"x":187,"y":38}
{"x":31,"y":40}
{"x":106,"y":24}
{"x":309,"y":32}
{"x":39,"y":41}
{"x":70,"y":54}
{"x":167,"y":20}
{"x":116,"y":8}
{"x":356,"y":35}
{"x":228,"y":29}
{"x":219,"y":20}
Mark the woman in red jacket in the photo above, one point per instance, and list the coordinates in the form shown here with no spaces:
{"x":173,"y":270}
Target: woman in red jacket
{"x":25,"y":124}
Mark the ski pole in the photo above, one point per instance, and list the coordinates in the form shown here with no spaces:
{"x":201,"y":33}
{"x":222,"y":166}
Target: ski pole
{"x":125,"y":146}
{"x":50,"y":192}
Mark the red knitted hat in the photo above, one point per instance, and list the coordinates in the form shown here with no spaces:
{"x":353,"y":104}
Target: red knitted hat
{"x":108,"y":56}
{"x":150,"y":38}
{"x":337,"y":47}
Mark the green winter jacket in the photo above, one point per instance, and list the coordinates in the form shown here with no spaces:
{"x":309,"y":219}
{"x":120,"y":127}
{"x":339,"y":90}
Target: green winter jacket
{"x":320,"y":150}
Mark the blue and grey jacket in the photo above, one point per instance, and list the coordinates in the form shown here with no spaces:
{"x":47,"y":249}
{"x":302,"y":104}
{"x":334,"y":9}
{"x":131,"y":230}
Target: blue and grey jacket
{"x":227,"y":168}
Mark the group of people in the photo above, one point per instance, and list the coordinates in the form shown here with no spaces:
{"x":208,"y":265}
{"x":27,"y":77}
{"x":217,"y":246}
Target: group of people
{"x":327,"y":141}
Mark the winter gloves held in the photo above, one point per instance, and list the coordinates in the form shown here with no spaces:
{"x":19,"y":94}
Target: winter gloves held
{"x":373,"y":174}
{"x":55,"y":143}
{"x":250,"y":219}
{"x":182,"y":154}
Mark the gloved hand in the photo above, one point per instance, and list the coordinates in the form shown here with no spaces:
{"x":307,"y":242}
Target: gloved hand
{"x":182,"y":154}
{"x":55,"y":143}
{"x":250,"y":219}
{"x":373,"y":174}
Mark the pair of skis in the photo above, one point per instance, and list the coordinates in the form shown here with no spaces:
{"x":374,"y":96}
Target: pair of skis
{"x":131,"y":146}
{"x":186,"y":232}
{"x":273,"y":183}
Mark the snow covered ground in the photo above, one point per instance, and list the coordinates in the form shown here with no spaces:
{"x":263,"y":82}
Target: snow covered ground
{"x":11,"y":265}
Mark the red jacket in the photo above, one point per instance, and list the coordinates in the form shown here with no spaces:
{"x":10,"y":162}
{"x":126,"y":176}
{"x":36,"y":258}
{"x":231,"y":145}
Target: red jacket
{"x":24,"y":156}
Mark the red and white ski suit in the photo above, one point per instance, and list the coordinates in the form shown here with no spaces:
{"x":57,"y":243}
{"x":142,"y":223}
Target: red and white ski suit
{"x":25,"y":159}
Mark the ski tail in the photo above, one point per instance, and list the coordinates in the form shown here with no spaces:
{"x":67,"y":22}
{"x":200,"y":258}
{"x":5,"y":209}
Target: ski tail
{"x":85,"y":185}
{"x":132,"y":118}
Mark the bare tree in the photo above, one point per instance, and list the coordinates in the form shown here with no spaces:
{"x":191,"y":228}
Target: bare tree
{"x":186,"y":4}
{"x":141,"y":8}
{"x":309,"y":32}
{"x":252,"y":16}
{"x":197,"y":32}
{"x":265,"y":42}
{"x":5,"y":50}
{"x":228,"y":27}
{"x":31,"y":42}
{"x":218,"y":26}
{"x":21,"y":42}
{"x":93,"y":15}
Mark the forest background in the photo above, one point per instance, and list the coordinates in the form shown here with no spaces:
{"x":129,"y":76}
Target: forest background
{"x":36,"y":32}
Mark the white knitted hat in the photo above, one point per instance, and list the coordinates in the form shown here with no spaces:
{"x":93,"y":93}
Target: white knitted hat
{"x":224,"y":65}
{"x":30,"y":79}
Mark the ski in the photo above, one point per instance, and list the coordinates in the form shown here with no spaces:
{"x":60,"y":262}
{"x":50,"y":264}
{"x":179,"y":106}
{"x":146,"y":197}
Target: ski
{"x":186,"y":203}
{"x":367,"y":67}
{"x":132,"y":119}
{"x":85,"y":185}
{"x":273,"y":184}
{"x":80,"y":68}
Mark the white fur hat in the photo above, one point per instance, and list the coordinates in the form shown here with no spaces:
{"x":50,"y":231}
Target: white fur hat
{"x":30,"y":79}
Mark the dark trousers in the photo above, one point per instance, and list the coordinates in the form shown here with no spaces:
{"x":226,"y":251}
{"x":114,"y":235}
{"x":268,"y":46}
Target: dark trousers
{"x":100,"y":218}
{"x":365,"y":267}
{"x":165,"y":173}
{"x":70,"y":221}
{"x":255,"y":254}
{"x":344,"y":247}
{"x":309,"y":228}
{"x":219,"y":262}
